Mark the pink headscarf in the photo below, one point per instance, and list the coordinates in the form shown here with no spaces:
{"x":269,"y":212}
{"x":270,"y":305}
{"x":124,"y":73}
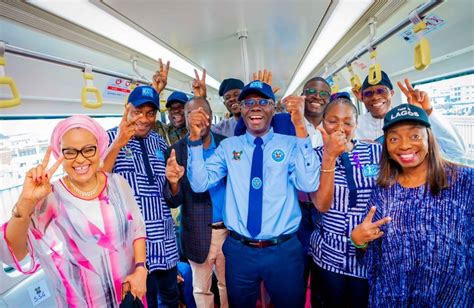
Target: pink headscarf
{"x":79,"y":121}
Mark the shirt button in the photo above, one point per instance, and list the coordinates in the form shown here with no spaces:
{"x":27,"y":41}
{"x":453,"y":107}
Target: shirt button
{"x":307,"y":164}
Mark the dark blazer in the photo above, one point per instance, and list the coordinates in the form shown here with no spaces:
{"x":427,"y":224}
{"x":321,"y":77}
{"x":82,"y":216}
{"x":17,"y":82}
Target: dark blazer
{"x":196,"y":210}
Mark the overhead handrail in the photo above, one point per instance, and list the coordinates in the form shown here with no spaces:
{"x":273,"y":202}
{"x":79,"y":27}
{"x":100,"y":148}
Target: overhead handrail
{"x":421,"y":10}
{"x":422,"y":52}
{"x":8,"y":81}
{"x":74,"y":64}
{"x":90,"y":88}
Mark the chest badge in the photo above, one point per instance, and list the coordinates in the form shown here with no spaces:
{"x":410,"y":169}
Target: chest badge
{"x":236,"y":155}
{"x":278,"y":155}
{"x":370,"y":171}
{"x":128,"y":152}
{"x":159,"y":154}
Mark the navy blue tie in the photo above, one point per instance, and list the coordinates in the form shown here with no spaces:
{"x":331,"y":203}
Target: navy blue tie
{"x":254,"y":218}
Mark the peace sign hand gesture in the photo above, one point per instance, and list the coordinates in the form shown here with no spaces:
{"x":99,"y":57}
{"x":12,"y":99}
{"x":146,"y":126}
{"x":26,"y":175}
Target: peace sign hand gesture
{"x":334,"y":144}
{"x":126,"y":128}
{"x":415,"y":96}
{"x":199,"y":84}
{"x":368,"y":231}
{"x":37,"y":184}
{"x":266,"y":77}
{"x":160,"y":79}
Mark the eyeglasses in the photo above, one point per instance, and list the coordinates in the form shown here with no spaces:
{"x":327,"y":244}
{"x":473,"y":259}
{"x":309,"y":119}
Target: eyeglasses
{"x":149,"y":114}
{"x":249,"y":103}
{"x":86,"y":152}
{"x":378,"y":91}
{"x":313,"y":91}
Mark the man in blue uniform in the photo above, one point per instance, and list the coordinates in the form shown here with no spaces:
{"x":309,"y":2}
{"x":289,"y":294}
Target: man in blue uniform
{"x":264,"y":171}
{"x":138,"y":154}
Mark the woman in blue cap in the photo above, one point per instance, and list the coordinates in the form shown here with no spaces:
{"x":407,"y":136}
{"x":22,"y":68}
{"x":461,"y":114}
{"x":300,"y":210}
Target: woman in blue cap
{"x":424,"y":256}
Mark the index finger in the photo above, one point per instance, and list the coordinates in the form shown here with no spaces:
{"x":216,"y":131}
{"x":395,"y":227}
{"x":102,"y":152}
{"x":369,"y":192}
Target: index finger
{"x":161,"y":64}
{"x":196,"y":74}
{"x":203,"y":76}
{"x":54,"y":167}
{"x":370,"y":215}
{"x":382,"y":221}
{"x":254,"y":76}
{"x":126,"y":112}
{"x":322,"y":130}
{"x":167,"y":67}
{"x":270,"y":78}
{"x":265,"y":76}
{"x":409,"y":86}
{"x":46,"y":157}
{"x":403,"y":89}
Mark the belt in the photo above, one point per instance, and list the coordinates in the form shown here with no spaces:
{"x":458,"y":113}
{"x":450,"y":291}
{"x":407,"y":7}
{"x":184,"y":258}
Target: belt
{"x":218,"y":226}
{"x":261,"y":243}
{"x":306,"y":204}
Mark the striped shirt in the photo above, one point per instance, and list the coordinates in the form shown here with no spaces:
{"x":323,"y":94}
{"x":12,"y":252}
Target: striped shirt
{"x":425,"y":257}
{"x":355,"y":177}
{"x":146,"y":176}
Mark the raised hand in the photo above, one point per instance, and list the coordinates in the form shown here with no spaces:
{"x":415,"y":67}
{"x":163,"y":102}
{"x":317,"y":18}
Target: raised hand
{"x":368,"y":231}
{"x":126,"y":129}
{"x":266,"y":77}
{"x":199,"y":84}
{"x":160,"y":79}
{"x":198,"y":120}
{"x":37,"y":184}
{"x":174,"y":172}
{"x":295,"y":106}
{"x":416,"y":97}
{"x":334,"y":144}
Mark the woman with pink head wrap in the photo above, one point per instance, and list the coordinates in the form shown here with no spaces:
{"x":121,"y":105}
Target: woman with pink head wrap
{"x":90,"y":214}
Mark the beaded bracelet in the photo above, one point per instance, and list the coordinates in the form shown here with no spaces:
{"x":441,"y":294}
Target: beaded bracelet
{"x":359,"y":246}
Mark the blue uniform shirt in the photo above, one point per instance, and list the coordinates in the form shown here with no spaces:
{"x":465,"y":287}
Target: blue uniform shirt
{"x":217,"y":192}
{"x":289,"y":164}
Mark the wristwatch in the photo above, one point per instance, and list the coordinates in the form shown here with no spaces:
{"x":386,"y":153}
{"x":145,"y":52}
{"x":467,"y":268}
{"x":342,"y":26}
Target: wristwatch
{"x":141,"y":264}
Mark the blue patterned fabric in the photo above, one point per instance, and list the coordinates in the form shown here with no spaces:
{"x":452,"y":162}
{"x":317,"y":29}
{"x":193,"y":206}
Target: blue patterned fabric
{"x":131,"y":163}
{"x":330,"y":244}
{"x":425,"y":258}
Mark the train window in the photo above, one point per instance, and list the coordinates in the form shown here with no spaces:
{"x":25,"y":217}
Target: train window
{"x":22,"y":146}
{"x":453,"y":96}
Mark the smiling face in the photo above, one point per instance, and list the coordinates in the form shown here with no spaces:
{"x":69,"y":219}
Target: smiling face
{"x":257,"y":118}
{"x":176,"y":115}
{"x":407,"y":144}
{"x":145,"y":123}
{"x":231,"y":101}
{"x":315,"y":100}
{"x":340,"y":117}
{"x":377,"y":100}
{"x":83,"y":167}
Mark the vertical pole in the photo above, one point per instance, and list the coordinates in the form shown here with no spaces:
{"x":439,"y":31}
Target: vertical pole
{"x":244,"y":54}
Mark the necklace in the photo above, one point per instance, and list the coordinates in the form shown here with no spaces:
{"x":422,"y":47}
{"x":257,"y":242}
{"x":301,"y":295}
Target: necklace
{"x":86,"y":194}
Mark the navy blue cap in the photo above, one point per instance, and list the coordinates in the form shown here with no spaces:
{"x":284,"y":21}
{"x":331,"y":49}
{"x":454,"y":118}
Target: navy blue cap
{"x":144,"y":95}
{"x":258,"y":87}
{"x":405,"y":112}
{"x":230,"y":84}
{"x":177,"y":97}
{"x":384,"y":82}
{"x":337,"y":95}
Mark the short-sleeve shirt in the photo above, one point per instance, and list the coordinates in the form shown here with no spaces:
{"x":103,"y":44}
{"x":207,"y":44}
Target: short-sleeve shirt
{"x":330,"y":244}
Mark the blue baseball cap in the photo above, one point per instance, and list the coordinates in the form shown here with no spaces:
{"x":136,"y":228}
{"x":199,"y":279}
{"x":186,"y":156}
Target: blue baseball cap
{"x":337,"y":95}
{"x":230,"y":84}
{"x":144,"y":95}
{"x":405,"y":112}
{"x":384,"y":82}
{"x":177,"y":97}
{"x":258,"y":87}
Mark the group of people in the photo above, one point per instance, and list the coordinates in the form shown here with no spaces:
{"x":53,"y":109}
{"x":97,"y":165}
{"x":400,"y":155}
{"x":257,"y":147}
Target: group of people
{"x":369,"y":210}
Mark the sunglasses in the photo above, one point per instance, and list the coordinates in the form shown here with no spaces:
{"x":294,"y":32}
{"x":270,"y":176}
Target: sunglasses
{"x":86,"y":152}
{"x":248,"y":103}
{"x":378,"y":91}
{"x":312,"y":91}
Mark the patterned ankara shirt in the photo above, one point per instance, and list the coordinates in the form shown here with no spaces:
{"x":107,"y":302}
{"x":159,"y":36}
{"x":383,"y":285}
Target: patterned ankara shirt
{"x":330,"y":245}
{"x":85,"y":247}
{"x":425,"y":258}
{"x":170,"y":133}
{"x":135,"y":167}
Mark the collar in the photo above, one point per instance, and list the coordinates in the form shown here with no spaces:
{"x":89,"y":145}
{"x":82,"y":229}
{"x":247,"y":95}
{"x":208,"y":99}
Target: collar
{"x":266,"y":138}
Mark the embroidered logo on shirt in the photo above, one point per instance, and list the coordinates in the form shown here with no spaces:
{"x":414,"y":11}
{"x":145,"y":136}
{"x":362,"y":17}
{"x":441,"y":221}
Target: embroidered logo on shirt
{"x":159,"y":154}
{"x":278,"y":155}
{"x":236,"y":155}
{"x":370,"y":170}
{"x":128,"y":152}
{"x":256,"y":183}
